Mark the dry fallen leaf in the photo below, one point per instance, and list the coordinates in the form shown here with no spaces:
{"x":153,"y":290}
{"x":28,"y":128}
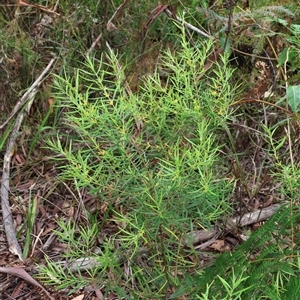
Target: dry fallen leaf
{"x":99,"y":294}
{"x":20,"y":272}
{"x":80,"y":297}
{"x":220,"y":245}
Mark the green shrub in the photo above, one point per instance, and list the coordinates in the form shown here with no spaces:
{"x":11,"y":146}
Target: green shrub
{"x":154,"y":153}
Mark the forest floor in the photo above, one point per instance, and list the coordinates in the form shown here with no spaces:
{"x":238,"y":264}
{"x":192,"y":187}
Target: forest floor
{"x":32,"y":35}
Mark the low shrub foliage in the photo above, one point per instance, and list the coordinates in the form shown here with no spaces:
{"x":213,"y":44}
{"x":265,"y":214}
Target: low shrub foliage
{"x":152,"y":158}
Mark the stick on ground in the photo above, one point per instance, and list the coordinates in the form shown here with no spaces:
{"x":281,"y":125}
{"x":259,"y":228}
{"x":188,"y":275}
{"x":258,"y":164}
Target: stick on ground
{"x":28,"y":97}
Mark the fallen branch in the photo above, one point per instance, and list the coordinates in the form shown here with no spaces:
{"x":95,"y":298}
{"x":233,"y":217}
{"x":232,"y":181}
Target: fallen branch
{"x":256,"y":216}
{"x":200,"y":236}
{"x":28,"y":97}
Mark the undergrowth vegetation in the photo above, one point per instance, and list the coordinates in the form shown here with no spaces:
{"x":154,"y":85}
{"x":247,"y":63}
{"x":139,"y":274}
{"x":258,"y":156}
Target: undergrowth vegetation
{"x":153,"y":158}
{"x":149,"y":138}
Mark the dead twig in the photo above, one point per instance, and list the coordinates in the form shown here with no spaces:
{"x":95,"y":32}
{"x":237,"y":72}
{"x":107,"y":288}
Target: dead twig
{"x":188,"y":25}
{"x":94,"y":44}
{"x":110,"y":26}
{"x":28,"y":94}
{"x":40,"y":7}
{"x":13,"y":244}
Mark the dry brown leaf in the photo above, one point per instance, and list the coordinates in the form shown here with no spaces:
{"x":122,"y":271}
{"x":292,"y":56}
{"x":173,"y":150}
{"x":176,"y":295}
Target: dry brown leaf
{"x":20,"y":272}
{"x":218,"y":245}
{"x":99,"y":294}
{"x":80,"y":297}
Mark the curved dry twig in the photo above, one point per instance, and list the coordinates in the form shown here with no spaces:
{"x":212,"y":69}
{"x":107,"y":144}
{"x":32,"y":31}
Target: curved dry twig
{"x":28,"y":97}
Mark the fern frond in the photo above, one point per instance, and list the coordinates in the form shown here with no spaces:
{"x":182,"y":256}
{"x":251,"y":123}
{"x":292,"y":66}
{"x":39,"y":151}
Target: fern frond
{"x":292,"y":289}
{"x":277,"y":9}
{"x":270,"y":257}
{"x":266,"y":11}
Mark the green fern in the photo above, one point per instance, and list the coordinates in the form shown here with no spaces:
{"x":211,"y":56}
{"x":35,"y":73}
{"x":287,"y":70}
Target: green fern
{"x":256,"y":15}
{"x":261,"y":258}
{"x":292,"y":289}
{"x":266,"y":11}
{"x":260,"y":22}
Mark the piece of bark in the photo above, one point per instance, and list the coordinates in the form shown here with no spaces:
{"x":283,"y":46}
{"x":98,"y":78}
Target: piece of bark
{"x":255,"y":216}
{"x":199,"y":236}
